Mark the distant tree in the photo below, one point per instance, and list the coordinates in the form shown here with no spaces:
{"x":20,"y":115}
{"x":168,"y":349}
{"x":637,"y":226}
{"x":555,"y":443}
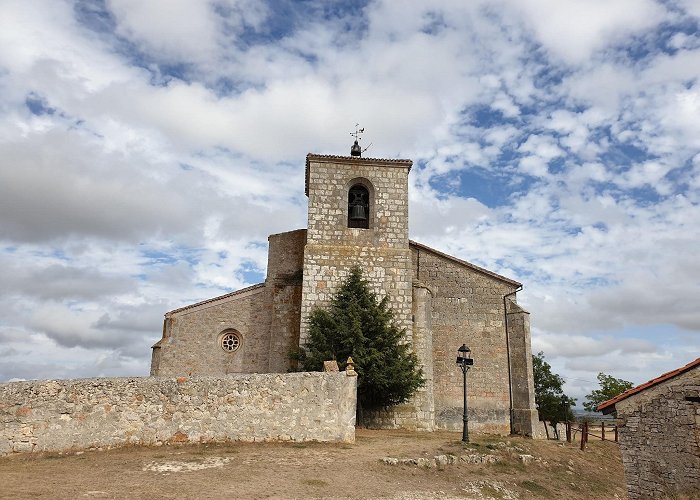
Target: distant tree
{"x":552,"y":404}
{"x":609,"y":388}
{"x":357,"y":324}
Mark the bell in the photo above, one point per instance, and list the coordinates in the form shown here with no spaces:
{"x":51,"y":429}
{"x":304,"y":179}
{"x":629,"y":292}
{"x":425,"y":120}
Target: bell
{"x":357,"y":211}
{"x":357,"y":207}
{"x":356,"y":150}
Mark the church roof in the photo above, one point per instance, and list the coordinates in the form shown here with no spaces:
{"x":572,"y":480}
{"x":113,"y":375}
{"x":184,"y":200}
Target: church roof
{"x":353,"y":159}
{"x":465,"y":263}
{"x":609,"y":405}
{"x":412,"y":243}
{"x":214,"y":299}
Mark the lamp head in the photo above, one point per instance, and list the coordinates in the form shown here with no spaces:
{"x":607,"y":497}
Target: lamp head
{"x":464,"y":357}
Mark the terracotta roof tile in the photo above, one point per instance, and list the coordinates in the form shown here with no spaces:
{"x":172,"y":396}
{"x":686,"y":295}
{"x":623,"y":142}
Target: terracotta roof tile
{"x":661,"y":378}
{"x":214,"y":299}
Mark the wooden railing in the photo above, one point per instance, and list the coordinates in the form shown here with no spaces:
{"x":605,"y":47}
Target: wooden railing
{"x":608,"y":432}
{"x":583,"y":428}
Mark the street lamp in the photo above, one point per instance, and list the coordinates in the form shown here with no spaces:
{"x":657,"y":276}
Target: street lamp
{"x":465,"y":361}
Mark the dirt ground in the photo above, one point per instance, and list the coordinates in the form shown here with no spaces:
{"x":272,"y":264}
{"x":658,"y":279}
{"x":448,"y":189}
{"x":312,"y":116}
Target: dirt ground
{"x":317,"y":470}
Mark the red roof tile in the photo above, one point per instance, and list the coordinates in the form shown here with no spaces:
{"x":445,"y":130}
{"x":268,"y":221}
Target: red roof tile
{"x":661,"y":378}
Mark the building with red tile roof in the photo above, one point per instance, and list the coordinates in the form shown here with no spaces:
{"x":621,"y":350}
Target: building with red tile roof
{"x":659,"y":434}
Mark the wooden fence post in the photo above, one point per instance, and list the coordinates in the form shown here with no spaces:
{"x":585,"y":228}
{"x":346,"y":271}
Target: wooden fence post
{"x":616,"y":432}
{"x":568,"y":431}
{"x":602,"y":430}
{"x":584,"y":435}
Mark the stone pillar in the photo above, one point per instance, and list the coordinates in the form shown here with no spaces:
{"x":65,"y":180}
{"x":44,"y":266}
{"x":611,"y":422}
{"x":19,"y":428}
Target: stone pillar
{"x":284,"y":282}
{"x":525,"y":417}
{"x":423,"y":345}
{"x":155,"y":359}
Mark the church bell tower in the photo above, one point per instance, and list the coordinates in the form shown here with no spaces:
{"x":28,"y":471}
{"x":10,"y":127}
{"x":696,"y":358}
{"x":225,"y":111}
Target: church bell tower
{"x":358,"y":216}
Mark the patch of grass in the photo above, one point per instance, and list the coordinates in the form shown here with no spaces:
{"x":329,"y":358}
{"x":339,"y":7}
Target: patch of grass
{"x":466,"y":446}
{"x":315,"y":482}
{"x":535,"y":488}
{"x":596,"y":485}
{"x":509,"y":467}
{"x":299,"y":445}
{"x":490,"y":492}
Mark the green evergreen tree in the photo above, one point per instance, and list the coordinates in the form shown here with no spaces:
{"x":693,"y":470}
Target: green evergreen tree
{"x":552,"y":404}
{"x":609,"y":388}
{"x":359,"y":325}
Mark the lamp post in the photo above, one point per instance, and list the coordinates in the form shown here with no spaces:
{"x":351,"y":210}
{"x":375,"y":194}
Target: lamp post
{"x":465,"y":361}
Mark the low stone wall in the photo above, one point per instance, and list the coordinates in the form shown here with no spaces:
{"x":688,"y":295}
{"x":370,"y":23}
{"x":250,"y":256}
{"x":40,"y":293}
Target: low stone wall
{"x":60,"y":415}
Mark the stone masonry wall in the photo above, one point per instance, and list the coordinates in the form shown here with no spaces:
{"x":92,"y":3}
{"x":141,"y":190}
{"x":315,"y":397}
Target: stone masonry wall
{"x":525,"y":416}
{"x":284,"y":279}
{"x":418,"y":413}
{"x":191,"y":344}
{"x":267,"y":317}
{"x":660,"y":438}
{"x":467,"y":307}
{"x":61,"y":415}
{"x":332,"y":248}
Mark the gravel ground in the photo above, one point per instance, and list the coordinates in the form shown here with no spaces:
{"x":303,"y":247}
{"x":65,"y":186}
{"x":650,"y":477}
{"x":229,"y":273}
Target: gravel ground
{"x":392,"y":465}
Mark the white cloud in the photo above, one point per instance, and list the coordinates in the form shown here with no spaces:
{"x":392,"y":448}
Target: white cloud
{"x":179,"y":29}
{"x":574,"y":31}
{"x":543,"y":150}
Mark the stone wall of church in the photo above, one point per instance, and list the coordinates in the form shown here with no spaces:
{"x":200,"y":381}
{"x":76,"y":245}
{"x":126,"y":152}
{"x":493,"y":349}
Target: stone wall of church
{"x":660,"y":439}
{"x":467,"y":308}
{"x":418,"y":413}
{"x":284,"y":279}
{"x":61,"y":415}
{"x":332,"y":248}
{"x":525,"y":416}
{"x":192,"y":339}
{"x":266,"y":317}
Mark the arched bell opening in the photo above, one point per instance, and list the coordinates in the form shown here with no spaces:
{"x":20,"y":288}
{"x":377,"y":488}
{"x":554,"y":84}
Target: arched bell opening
{"x":358,"y":207}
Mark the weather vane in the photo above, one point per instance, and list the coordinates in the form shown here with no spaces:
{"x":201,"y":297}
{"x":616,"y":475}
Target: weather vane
{"x":356,"y":150}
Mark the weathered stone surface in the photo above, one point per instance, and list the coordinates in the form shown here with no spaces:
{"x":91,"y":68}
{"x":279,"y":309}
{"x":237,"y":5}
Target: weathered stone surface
{"x":660,"y":438}
{"x":525,"y":417}
{"x":442,"y":460}
{"x":91,"y":413}
{"x":266,"y":318}
{"x":467,"y":307}
{"x":332,"y":248}
{"x":330,"y":366}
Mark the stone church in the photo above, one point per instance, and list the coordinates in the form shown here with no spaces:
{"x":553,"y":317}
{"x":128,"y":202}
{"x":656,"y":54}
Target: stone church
{"x":358,"y":215}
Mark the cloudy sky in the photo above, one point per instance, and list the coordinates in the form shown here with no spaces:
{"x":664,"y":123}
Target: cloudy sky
{"x":147,"y":149}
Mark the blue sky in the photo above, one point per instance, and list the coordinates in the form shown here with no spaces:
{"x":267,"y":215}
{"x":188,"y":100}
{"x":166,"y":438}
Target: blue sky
{"x":149,"y":148}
